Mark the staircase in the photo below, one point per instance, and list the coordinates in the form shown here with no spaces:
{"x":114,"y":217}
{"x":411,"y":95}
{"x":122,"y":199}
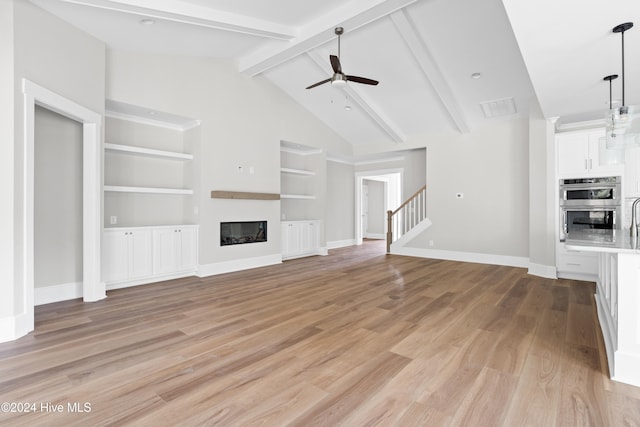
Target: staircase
{"x":409,"y":220}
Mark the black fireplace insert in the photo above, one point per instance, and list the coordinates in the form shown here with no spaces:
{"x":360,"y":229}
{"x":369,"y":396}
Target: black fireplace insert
{"x":241,"y":232}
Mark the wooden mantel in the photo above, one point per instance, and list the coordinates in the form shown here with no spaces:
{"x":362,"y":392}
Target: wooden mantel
{"x":244,"y":195}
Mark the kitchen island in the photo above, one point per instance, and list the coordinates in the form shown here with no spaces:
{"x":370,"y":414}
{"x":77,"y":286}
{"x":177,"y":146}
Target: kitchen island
{"x":617,"y":297}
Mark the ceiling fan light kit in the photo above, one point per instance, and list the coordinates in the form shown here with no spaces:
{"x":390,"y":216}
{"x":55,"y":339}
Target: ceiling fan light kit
{"x":339,"y":79}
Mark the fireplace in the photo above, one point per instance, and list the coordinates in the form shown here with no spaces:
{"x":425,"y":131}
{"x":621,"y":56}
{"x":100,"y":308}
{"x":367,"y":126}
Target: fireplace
{"x":241,"y":232}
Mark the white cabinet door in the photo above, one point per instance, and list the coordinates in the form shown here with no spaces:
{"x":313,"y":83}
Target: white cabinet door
{"x":579,"y":155}
{"x":573,"y":155}
{"x":175,"y":249}
{"x":300,"y":238}
{"x":115,"y":256}
{"x":164,"y":248}
{"x":187,"y":248}
{"x":290,"y":238}
{"x":309,"y":237}
{"x":140,"y":254}
{"x":127,"y":254}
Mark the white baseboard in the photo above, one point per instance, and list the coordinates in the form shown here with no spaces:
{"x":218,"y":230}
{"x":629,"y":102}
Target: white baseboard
{"x":479,"y":258}
{"x":379,"y":236}
{"x":238,"y":265}
{"x":14,"y":327}
{"x":341,"y":243}
{"x":150,"y":279}
{"x":540,"y":270}
{"x":55,"y":293}
{"x":577,"y":276}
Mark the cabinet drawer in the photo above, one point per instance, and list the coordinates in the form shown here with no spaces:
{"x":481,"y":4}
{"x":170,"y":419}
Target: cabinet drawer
{"x":578,"y":262}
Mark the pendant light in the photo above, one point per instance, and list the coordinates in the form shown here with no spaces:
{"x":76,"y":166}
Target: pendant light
{"x":613,"y":140}
{"x":619,"y":120}
{"x":611,"y":147}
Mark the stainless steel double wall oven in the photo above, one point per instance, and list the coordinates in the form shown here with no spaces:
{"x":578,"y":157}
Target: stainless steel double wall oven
{"x":590,"y":203}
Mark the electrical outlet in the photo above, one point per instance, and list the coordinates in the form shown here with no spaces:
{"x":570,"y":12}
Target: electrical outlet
{"x":113,"y":220}
{"x":430,"y":242}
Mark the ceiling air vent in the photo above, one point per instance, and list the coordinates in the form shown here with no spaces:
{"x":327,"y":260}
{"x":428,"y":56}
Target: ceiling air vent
{"x":498,"y":107}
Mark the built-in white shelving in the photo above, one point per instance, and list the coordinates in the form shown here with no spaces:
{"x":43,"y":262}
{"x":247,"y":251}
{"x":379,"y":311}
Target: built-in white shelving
{"x":297,"y":171}
{"x":149,"y":190}
{"x":296,"y":196}
{"x":147,"y":152}
{"x":148,"y":168}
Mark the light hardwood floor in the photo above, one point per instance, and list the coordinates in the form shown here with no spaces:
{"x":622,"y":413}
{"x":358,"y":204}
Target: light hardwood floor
{"x":357,"y":338}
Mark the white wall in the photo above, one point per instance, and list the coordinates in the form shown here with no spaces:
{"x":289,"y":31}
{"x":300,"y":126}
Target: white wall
{"x":57,"y":200}
{"x":490,"y":167}
{"x":243,"y":121}
{"x":413,"y":164}
{"x":339,"y":224}
{"x":7,"y":219}
{"x":63,"y":59}
{"x":541,"y":185}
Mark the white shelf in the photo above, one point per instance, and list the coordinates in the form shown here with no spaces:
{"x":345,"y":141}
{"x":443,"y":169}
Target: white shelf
{"x":147,"y":152}
{"x":296,"y":196}
{"x":297,"y":171}
{"x":149,"y":190}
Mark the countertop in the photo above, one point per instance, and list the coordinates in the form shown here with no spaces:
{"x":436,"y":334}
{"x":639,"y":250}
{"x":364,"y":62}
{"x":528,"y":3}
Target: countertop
{"x":613,"y":241}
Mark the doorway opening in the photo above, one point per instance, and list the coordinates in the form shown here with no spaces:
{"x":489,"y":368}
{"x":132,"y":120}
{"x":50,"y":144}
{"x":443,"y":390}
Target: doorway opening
{"x":92,"y":287}
{"x":376,"y":193}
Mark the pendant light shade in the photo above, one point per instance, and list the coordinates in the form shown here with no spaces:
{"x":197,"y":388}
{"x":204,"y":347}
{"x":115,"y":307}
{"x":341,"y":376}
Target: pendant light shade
{"x":623,"y":124}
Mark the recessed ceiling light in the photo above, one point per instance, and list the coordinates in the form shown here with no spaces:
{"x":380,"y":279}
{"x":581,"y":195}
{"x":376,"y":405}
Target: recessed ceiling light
{"x":147,"y":21}
{"x":347,"y":107}
{"x":476,"y":76}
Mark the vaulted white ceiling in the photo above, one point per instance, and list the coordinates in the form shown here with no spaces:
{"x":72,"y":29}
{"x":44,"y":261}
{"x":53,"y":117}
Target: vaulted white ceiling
{"x":423,"y":52}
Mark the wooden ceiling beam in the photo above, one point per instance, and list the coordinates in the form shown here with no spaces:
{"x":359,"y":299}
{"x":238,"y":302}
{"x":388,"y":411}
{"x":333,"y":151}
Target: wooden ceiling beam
{"x":189,"y":13}
{"x":352,"y":15}
{"x":429,"y":67}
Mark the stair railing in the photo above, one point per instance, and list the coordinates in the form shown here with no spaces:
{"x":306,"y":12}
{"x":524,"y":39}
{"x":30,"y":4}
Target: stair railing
{"x":406,"y":216}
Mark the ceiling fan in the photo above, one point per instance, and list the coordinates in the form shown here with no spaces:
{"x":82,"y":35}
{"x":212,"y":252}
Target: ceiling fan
{"x":339,"y":78}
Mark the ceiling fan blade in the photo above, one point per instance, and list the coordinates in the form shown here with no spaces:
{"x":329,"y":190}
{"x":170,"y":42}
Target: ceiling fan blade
{"x":319,"y":83}
{"x":335,"y":64}
{"x":363,"y":80}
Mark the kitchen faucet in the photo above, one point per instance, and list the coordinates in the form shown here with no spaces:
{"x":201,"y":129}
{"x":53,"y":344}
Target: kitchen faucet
{"x":634,"y":220}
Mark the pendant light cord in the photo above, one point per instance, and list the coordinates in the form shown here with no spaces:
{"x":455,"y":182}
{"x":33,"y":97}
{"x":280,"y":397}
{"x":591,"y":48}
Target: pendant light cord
{"x":623,"y":104}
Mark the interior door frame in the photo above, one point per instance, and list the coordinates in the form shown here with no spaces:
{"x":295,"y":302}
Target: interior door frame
{"x":92,"y":287}
{"x":359,"y":181}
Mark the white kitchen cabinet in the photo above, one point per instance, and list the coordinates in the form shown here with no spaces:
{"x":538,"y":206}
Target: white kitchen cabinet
{"x":300,"y":238}
{"x":578,"y":155}
{"x":175,"y":249}
{"x":575,"y":264}
{"x":127,"y":254}
{"x":137,"y":255}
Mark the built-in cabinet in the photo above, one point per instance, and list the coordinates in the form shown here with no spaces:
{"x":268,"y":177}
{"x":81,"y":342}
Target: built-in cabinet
{"x":127,"y":254}
{"x":149,"y":211}
{"x":579,"y":155}
{"x":137,"y":255}
{"x":175,"y":249}
{"x":301,"y":238}
{"x":575,"y":264}
{"x":302,"y":196}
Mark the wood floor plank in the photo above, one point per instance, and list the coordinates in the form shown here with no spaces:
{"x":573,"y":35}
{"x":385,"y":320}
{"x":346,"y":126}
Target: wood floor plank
{"x":355,"y":338}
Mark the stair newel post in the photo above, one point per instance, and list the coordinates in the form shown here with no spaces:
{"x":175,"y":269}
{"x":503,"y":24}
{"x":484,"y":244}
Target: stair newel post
{"x":389,"y":230}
